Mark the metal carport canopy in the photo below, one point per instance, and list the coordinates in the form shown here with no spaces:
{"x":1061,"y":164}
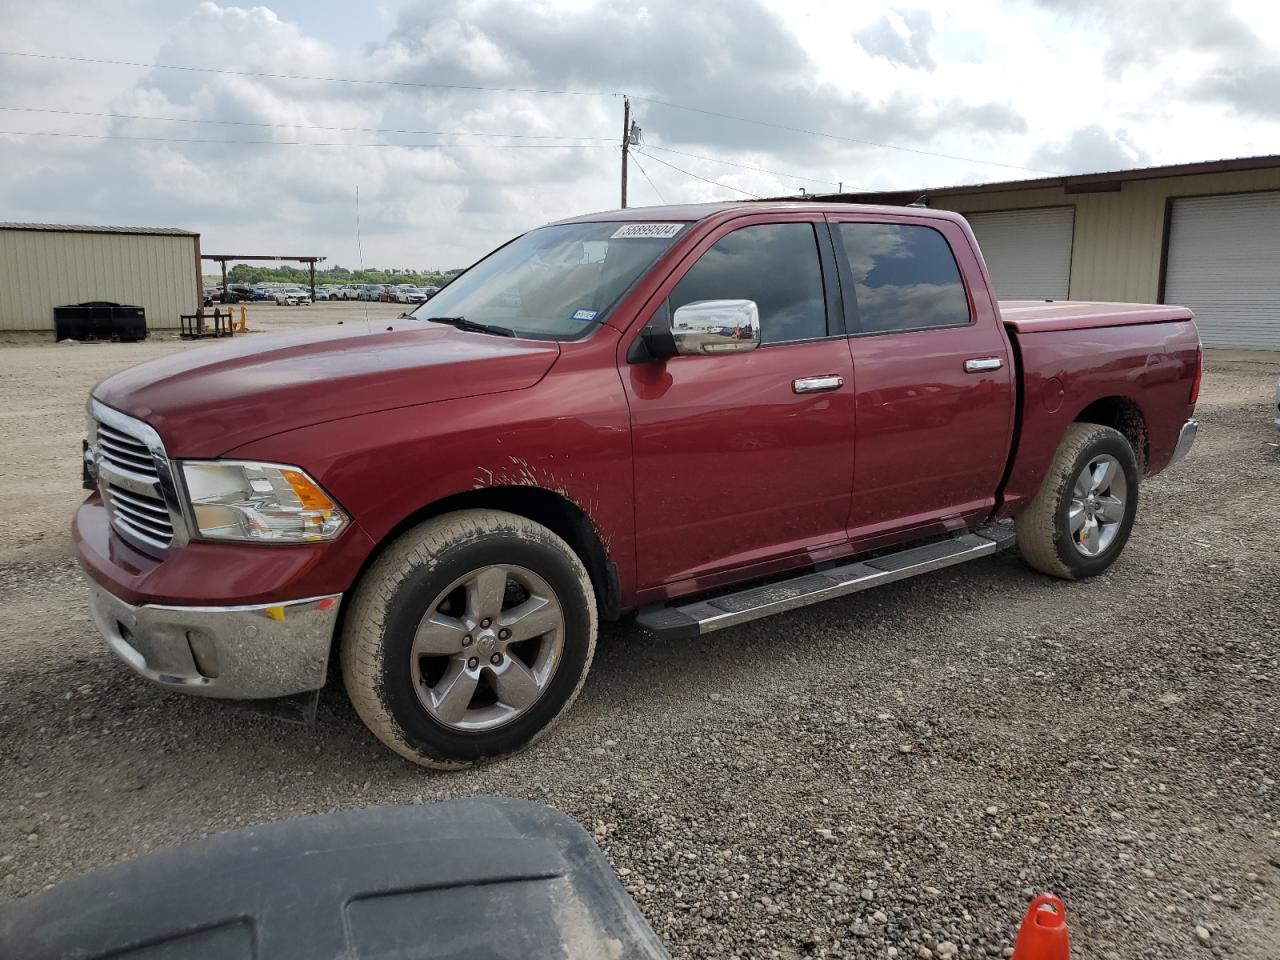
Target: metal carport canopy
{"x":222,"y":258}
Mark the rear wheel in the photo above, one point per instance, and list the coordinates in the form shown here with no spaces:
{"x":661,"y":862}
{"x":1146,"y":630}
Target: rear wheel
{"x":1079,"y":521}
{"x":468,"y":638}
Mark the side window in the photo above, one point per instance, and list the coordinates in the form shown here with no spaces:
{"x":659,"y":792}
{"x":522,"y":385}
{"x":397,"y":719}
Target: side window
{"x":905,"y":277}
{"x":774,"y":264}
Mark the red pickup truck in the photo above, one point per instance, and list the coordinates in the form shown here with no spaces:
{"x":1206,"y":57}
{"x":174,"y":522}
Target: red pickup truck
{"x":702,"y":414}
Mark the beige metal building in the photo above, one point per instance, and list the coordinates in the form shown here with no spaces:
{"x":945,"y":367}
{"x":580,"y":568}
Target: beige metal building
{"x":44,"y":265}
{"x":1204,"y":235}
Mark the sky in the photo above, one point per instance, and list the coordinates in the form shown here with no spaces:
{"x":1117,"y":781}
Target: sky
{"x":734,"y":98}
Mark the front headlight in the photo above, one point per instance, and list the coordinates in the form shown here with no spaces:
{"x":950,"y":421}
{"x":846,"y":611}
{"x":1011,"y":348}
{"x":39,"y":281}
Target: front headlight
{"x":259,"y":503}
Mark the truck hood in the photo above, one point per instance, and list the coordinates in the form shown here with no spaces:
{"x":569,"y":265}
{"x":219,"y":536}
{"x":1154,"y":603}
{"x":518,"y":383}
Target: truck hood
{"x":207,"y":400}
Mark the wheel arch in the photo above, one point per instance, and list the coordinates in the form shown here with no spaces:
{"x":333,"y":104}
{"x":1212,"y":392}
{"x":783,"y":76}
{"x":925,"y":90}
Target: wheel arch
{"x":1125,"y":415}
{"x":553,"y":510}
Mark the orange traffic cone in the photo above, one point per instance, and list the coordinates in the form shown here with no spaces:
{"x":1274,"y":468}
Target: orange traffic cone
{"x":1043,"y":934}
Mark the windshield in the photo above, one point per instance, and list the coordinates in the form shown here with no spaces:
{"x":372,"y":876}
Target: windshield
{"x":554,"y":282}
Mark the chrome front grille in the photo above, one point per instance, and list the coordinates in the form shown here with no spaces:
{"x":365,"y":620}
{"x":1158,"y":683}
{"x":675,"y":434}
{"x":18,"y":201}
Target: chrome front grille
{"x":118,"y":449}
{"x":144,"y":517}
{"x":133,"y":477}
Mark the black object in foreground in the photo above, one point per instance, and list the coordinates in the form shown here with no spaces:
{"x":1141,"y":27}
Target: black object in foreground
{"x":487,"y":877}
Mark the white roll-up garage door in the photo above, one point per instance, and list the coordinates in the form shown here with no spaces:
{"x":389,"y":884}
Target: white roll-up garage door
{"x":1027,"y":251}
{"x":1224,"y":263}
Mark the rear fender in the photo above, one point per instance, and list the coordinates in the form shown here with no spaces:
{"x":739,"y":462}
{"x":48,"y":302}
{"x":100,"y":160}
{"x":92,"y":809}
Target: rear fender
{"x":1148,"y":367}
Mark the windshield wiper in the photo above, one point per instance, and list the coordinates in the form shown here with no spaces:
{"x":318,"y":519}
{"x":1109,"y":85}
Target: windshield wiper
{"x":462,"y":323}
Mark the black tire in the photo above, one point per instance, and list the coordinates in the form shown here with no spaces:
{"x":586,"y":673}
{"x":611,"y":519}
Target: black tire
{"x":391,"y":600}
{"x":1044,"y":535}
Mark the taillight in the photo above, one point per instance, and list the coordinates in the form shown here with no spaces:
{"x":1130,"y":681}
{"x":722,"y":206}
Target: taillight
{"x":1195,"y":384}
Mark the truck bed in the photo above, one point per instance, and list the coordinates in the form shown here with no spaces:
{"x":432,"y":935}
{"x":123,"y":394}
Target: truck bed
{"x":1042,"y":316}
{"x":1072,"y":354}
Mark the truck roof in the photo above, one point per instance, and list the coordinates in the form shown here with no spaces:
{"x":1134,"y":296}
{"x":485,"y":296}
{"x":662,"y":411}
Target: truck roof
{"x":693,"y":212}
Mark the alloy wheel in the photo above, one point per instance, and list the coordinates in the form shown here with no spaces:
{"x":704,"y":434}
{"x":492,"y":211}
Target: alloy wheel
{"x":487,"y":648}
{"x":1097,"y":506}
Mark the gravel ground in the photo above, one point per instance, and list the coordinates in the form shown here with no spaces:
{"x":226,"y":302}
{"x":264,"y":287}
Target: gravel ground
{"x":889,"y":775}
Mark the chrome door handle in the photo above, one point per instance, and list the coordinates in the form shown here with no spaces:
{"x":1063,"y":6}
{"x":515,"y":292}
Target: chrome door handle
{"x":983,"y":363}
{"x":816,"y":384}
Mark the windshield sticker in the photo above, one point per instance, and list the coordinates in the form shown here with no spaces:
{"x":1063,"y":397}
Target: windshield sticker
{"x":585,"y":314}
{"x":647,"y":231}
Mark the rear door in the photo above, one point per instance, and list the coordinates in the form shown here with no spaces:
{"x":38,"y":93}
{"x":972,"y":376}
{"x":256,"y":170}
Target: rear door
{"x":740,"y":458}
{"x":935,"y":392}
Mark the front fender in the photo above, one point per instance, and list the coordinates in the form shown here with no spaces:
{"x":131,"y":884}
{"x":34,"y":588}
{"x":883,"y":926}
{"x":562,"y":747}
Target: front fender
{"x":569,"y":434}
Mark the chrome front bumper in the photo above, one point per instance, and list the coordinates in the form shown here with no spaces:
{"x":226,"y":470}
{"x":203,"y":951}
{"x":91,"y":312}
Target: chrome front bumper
{"x":1186,"y":438}
{"x":251,"y":652}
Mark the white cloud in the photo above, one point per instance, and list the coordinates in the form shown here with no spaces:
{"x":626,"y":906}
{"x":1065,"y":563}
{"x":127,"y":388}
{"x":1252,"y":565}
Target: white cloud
{"x":1092,"y":148}
{"x":1073,"y":85}
{"x":902,"y":37}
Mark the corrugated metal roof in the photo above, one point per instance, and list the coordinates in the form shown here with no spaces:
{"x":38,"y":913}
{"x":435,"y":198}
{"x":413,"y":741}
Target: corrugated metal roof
{"x":89,"y":228}
{"x":1071,"y":183}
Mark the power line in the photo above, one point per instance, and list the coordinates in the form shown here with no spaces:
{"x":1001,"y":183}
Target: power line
{"x":744,"y":166}
{"x":302,"y":126}
{"x":650,"y":179}
{"x":290,"y":76}
{"x":714,"y":183}
{"x":836,"y":136}
{"x":532,"y":90}
{"x":310,"y":143}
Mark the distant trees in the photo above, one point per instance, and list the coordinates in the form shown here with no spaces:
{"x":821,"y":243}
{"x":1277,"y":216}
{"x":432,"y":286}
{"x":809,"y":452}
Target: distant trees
{"x":252,"y":273}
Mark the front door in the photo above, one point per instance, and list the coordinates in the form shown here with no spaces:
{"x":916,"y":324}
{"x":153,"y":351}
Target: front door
{"x":736,"y":461}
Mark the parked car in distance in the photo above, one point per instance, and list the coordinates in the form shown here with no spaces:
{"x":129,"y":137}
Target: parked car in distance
{"x":237,"y":293}
{"x":706,"y":414}
{"x":429,"y":292}
{"x":293,"y":296}
{"x":369,"y":291}
{"x":261,"y":294}
{"x":408,"y":294}
{"x":348,"y":292}
{"x":321,"y":294}
{"x":387,"y":294}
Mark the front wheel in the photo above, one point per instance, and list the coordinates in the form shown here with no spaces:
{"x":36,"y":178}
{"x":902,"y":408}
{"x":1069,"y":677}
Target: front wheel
{"x":468,"y":638}
{"x":1079,"y":521}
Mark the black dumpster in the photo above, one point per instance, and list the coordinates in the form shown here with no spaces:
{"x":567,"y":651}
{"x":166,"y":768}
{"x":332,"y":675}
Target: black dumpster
{"x":99,"y":320}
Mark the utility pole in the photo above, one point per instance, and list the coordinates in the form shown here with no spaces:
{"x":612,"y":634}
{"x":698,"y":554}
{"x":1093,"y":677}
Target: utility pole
{"x":626,"y":142}
{"x":630,"y":138}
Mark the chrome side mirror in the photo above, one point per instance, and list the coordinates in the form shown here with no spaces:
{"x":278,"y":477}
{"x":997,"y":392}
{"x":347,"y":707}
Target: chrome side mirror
{"x":716,"y":326}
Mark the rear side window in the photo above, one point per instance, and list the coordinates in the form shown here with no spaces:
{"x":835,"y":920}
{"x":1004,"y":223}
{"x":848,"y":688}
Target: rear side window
{"x":905,"y":277}
{"x":774,"y":264}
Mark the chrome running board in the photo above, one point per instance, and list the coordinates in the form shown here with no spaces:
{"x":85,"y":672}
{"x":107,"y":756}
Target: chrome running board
{"x":728,"y":610}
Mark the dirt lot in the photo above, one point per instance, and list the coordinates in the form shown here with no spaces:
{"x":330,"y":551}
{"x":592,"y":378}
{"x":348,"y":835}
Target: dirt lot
{"x":888,"y":775}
